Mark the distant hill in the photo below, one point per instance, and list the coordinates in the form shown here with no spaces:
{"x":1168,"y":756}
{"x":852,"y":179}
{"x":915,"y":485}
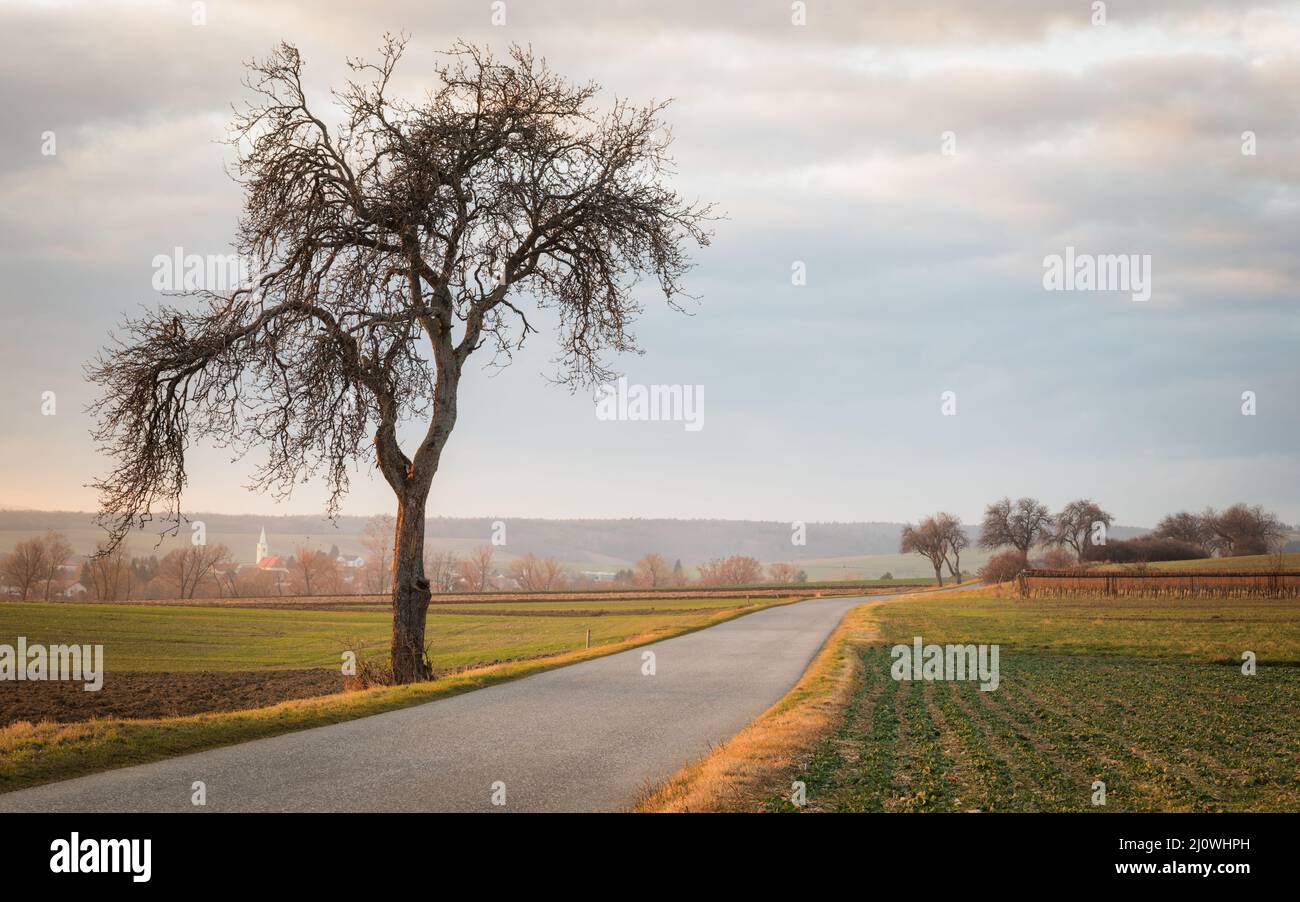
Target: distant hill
{"x":599,"y":543}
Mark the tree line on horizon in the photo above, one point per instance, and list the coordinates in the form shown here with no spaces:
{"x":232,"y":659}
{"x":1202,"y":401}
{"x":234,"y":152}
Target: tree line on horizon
{"x":39,"y":568}
{"x":1077,"y":537}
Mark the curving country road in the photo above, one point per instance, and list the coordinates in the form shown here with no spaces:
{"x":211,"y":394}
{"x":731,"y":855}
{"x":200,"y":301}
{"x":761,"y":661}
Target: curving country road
{"x":586,"y":737}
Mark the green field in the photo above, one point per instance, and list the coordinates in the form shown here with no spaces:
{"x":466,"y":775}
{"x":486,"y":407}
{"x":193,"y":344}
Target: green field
{"x":157,"y":638}
{"x":1146,"y":696}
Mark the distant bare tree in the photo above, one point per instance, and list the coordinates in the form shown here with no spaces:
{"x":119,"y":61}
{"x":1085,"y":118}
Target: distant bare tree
{"x":377,"y":537}
{"x":1184,"y":526}
{"x":679,"y":576}
{"x":1021,"y":525}
{"x":442,"y":568}
{"x":527,"y":572}
{"x":1073,"y":527}
{"x":314,"y":572}
{"x":476,"y":570}
{"x":955,"y":541}
{"x":184,"y":570}
{"x":652,"y":571}
{"x":928,"y":540}
{"x":736,"y":570}
{"x":228,"y":580}
{"x":57,"y":553}
{"x":388,"y":250}
{"x":536,"y":574}
{"x":781,"y":573}
{"x":111,"y":575}
{"x":554,"y":576}
{"x":249,"y":582}
{"x":25,"y":566}
{"x":1244,"y":529}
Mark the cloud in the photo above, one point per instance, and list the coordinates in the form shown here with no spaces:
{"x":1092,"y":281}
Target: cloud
{"x":823,"y":144}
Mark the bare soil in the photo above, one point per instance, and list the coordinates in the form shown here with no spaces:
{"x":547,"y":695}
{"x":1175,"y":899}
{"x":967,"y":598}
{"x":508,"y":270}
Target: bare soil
{"x":137,"y":694}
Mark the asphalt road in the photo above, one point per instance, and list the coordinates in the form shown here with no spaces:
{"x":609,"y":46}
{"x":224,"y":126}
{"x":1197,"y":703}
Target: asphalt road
{"x":586,"y":737}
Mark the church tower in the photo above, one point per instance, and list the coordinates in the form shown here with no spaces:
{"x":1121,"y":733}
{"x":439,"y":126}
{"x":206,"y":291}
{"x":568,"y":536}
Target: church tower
{"x":262,"y":549}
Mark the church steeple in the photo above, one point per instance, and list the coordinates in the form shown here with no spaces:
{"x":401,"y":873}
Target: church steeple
{"x":262,"y":549}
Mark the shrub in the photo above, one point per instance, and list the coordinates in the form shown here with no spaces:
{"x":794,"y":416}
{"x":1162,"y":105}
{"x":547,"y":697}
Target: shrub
{"x":1149,"y":548}
{"x":1004,"y":566}
{"x":1058,"y":559}
{"x":370,"y":673}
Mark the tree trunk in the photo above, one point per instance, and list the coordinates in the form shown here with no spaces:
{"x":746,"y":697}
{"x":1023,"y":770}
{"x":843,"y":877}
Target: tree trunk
{"x":938,"y":574}
{"x":410,"y":593}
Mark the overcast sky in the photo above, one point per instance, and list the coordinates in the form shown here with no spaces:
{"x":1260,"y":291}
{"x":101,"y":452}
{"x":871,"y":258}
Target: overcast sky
{"x":824,"y":144}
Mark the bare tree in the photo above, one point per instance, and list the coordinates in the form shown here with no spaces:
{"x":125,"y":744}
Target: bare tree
{"x":652,"y":570}
{"x":111,"y":575}
{"x":736,"y":570}
{"x":25,"y":566}
{"x":1075,"y":525}
{"x":314,"y":572}
{"x":377,"y":537}
{"x":1184,"y":526}
{"x":442,"y":568}
{"x":679,"y":576}
{"x":1021,"y":525}
{"x":554,"y":576}
{"x":781,"y":573}
{"x":57,"y":552}
{"x":1244,"y":529}
{"x":527,"y":572}
{"x":955,"y":541}
{"x":536,"y":574}
{"x":250,"y":581}
{"x":476,"y":570}
{"x":389,"y":249}
{"x":186,"y":569}
{"x":928,"y":540}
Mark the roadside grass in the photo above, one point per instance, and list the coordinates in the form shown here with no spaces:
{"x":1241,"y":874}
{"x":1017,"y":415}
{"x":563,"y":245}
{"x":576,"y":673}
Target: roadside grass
{"x":1144,"y":695}
{"x":31,"y":754}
